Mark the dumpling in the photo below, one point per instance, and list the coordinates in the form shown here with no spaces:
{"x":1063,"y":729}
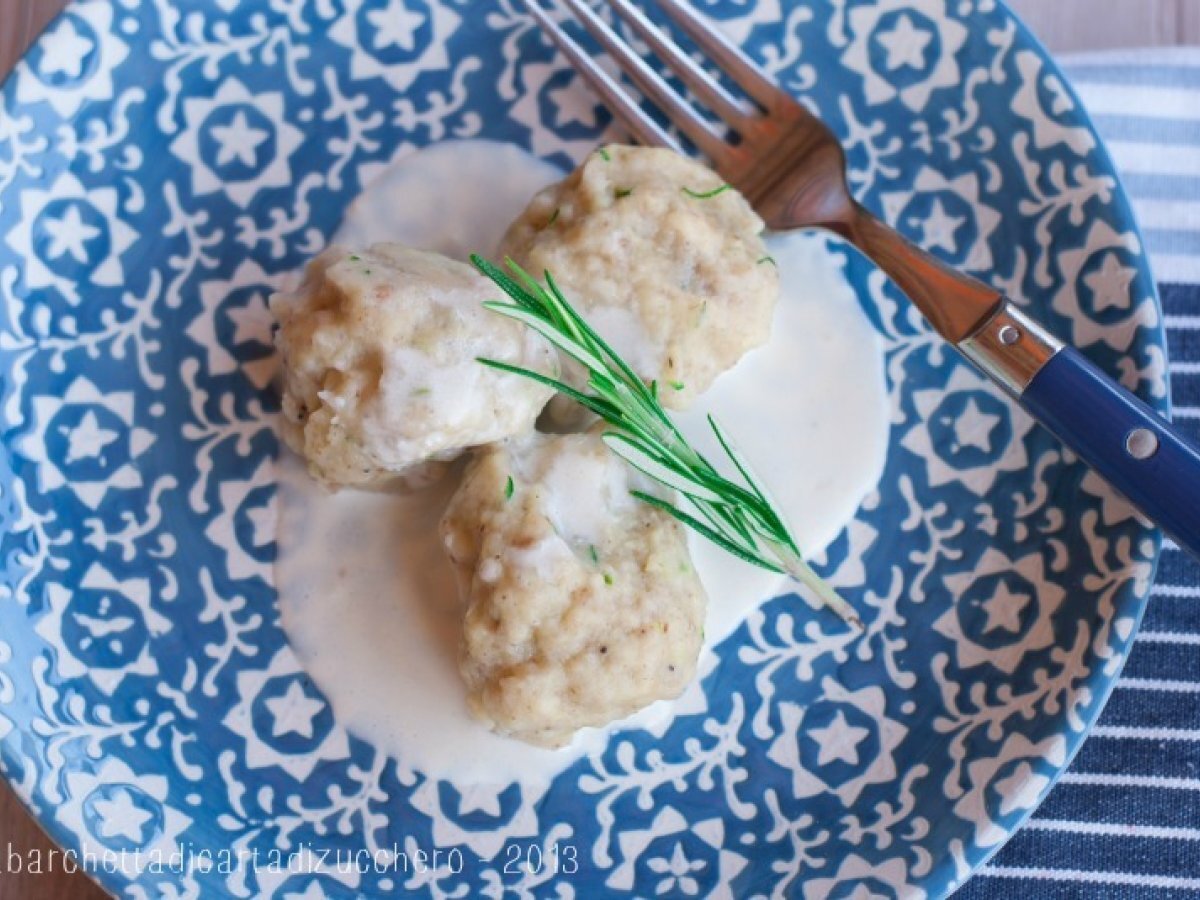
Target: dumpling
{"x":379,"y":355}
{"x":662,"y":259}
{"x":583,"y":605}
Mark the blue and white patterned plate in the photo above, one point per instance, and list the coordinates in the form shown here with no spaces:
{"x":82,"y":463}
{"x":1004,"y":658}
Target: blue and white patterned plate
{"x":163,"y":165}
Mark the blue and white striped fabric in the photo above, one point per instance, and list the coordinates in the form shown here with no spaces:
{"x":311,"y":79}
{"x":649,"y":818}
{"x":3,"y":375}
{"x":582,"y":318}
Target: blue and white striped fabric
{"x":1124,"y":822}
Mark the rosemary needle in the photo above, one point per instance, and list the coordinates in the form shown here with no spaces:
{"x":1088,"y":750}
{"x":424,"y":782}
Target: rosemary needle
{"x":739,"y":517}
{"x":706,"y":195}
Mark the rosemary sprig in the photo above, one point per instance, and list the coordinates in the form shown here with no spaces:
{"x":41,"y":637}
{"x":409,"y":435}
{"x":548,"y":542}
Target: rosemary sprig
{"x":740,"y":518}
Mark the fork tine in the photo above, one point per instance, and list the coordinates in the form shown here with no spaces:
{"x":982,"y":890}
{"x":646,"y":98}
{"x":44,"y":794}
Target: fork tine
{"x":619,"y":103}
{"x":652,"y":85}
{"x":727,"y":56}
{"x":703,"y":85}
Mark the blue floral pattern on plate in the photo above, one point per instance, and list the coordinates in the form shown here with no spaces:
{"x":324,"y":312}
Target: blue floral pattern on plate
{"x":164,"y":166}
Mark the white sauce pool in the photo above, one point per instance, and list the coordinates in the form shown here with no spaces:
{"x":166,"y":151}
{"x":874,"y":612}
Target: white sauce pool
{"x":367,"y":596}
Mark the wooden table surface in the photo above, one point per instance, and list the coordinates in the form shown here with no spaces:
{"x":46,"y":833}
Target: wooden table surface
{"x":1064,"y":25}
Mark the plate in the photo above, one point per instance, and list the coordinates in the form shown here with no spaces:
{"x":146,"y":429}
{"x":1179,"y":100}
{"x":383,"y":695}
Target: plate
{"x":162,"y":168}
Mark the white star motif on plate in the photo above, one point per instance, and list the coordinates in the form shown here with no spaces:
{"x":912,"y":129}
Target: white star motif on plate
{"x":101,"y":628}
{"x":1004,"y":609}
{"x":481,"y":797}
{"x":395,"y":26}
{"x":262,"y":523}
{"x":678,"y":864}
{"x":121,"y":816}
{"x":905,"y":44}
{"x":973,"y":428}
{"x":69,"y":50}
{"x":87,"y":439}
{"x":238,"y":140}
{"x":1021,"y":789}
{"x":570,"y":107}
{"x":1110,"y":284}
{"x":251,"y":322}
{"x":75,"y":65}
{"x":69,"y":234}
{"x":838,"y":740}
{"x":294,"y":712}
{"x":939,"y":229}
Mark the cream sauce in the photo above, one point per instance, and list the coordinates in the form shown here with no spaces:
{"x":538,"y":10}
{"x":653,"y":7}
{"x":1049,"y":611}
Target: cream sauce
{"x":367,"y":595}
{"x":809,"y":411}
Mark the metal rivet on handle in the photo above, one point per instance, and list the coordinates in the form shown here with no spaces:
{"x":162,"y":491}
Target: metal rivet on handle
{"x":1009,"y":335}
{"x":1141,"y":443}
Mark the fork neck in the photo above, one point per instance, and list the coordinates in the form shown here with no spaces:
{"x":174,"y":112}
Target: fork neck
{"x":954,"y":303}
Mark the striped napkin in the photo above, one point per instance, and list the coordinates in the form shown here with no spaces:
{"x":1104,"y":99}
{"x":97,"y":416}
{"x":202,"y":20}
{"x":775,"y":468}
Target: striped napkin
{"x":1124,"y":822}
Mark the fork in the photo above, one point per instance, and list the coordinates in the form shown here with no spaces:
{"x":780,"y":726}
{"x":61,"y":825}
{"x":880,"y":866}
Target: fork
{"x":792,"y":169}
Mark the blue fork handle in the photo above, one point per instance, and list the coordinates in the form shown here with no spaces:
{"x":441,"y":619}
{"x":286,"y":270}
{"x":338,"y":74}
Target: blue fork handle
{"x":1135,"y":450}
{"x":1127,"y":443}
